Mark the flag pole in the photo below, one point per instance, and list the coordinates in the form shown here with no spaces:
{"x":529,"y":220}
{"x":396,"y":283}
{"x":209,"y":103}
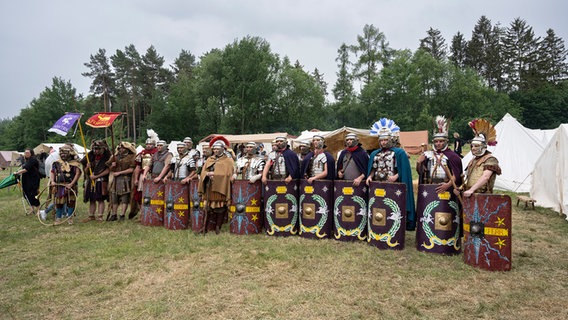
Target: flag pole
{"x":86,"y":152}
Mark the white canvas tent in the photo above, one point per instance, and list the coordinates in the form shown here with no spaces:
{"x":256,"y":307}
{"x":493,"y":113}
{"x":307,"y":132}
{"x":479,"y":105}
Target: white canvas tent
{"x":550,"y":177}
{"x":518,"y":149}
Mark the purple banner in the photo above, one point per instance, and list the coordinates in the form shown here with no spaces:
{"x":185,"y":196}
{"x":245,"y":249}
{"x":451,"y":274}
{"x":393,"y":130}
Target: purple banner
{"x":65,"y":123}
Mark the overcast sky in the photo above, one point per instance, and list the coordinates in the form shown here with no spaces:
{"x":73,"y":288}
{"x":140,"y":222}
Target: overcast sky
{"x":42,"y":39}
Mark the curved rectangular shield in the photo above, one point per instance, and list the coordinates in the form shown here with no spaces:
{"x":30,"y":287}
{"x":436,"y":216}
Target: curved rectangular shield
{"x":315,"y":208}
{"x":281,"y":207}
{"x":487,"y":231}
{"x":349,"y":211}
{"x":176,"y":216}
{"x":387,"y":215}
{"x":197,"y":212}
{"x":245,"y":208}
{"x":152,"y":204}
{"x":438,"y":216}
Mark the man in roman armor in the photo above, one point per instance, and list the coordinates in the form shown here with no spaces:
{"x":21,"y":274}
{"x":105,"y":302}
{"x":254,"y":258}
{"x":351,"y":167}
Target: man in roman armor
{"x":319,"y":163}
{"x":184,"y":166}
{"x":193,"y":153}
{"x":484,"y":167}
{"x":122,"y":166}
{"x":143,"y":159}
{"x":304,"y":149}
{"x":64,"y":174}
{"x":215,"y":184}
{"x":283,"y":165}
{"x":390,"y":164}
{"x":250,"y":166}
{"x":159,"y":164}
{"x":96,"y":179}
{"x":352,"y":161}
{"x":441,"y":165}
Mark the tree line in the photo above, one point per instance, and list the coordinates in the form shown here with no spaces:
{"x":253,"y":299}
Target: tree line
{"x":246,"y":88}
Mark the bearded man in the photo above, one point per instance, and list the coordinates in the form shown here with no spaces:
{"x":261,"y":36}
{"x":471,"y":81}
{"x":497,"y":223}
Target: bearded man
{"x":122,"y":166}
{"x":250,"y":166}
{"x":63,"y":176}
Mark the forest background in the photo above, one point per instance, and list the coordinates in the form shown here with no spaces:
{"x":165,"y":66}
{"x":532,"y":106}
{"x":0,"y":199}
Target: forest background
{"x":246,"y":88}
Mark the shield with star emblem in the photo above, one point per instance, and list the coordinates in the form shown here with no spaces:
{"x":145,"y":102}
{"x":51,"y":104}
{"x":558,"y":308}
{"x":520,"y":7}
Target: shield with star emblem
{"x":386,"y":222}
{"x":315,"y":208}
{"x":176,"y":215}
{"x":487,"y":231}
{"x":245,"y":208}
{"x":438,"y":216}
{"x":153,"y":204}
{"x":196,"y":204}
{"x":349,"y":211}
{"x":281,"y":208}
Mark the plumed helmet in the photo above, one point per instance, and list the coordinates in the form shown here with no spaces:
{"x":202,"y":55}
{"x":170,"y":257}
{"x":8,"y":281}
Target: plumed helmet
{"x":384,"y":128}
{"x":219,"y":141}
{"x":440,"y":128}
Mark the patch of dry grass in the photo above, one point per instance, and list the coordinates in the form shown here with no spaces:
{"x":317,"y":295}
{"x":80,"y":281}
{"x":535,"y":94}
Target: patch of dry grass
{"x":128,"y":271}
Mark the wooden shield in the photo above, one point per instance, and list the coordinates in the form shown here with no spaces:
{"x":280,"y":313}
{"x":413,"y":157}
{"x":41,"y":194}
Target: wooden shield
{"x":246,"y":217}
{"x":487,"y":231}
{"x":315,"y":208}
{"x":152,"y":204}
{"x":438,"y":216}
{"x":349,"y":211}
{"x":176,"y":215}
{"x":281,"y":208}
{"x":387,"y":215}
{"x":197,"y":213}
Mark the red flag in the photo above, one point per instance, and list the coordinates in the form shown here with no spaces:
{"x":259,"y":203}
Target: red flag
{"x":102,"y":119}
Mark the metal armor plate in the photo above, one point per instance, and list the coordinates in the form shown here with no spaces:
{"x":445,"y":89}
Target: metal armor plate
{"x":387,"y":215}
{"x":350,"y":211}
{"x":246,"y":217}
{"x":315,"y":208}
{"x":487,"y":231}
{"x":196,"y":207}
{"x":281,"y":207}
{"x":153,"y":204}
{"x":438,"y":216}
{"x":176,"y":216}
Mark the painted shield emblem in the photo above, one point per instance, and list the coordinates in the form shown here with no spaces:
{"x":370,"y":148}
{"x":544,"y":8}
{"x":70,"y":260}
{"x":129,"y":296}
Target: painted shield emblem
{"x":487,"y":231}
{"x":387,"y":215}
{"x":438,"y":228}
{"x":152,"y":204}
{"x":315,"y":208}
{"x":281,"y":208}
{"x":349,"y":211}
{"x":197,"y":213}
{"x":176,"y":215}
{"x":245,"y":210}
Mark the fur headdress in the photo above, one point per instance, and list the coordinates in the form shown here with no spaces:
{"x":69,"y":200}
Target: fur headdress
{"x":484,"y":131}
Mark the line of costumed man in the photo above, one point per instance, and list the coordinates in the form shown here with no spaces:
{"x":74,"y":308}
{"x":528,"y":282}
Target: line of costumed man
{"x":119,"y":176}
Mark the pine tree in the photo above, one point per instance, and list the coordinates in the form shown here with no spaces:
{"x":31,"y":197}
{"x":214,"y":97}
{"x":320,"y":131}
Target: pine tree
{"x":434,"y":44}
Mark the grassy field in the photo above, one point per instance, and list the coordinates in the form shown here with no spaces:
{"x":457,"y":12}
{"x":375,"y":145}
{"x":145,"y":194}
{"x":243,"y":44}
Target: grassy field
{"x":114,"y":270}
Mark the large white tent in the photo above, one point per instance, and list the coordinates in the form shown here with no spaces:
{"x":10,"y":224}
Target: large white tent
{"x":550,"y":177}
{"x":518,"y":149}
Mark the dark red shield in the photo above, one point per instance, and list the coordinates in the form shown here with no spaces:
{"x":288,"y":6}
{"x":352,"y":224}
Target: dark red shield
{"x":349,"y":211}
{"x":387,"y":215}
{"x":281,"y":207}
{"x":245,"y":210}
{"x":152,"y":204}
{"x":176,"y":216}
{"x":315,"y":209}
{"x":487,"y":231}
{"x":438,"y":216}
{"x":197,"y":212}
